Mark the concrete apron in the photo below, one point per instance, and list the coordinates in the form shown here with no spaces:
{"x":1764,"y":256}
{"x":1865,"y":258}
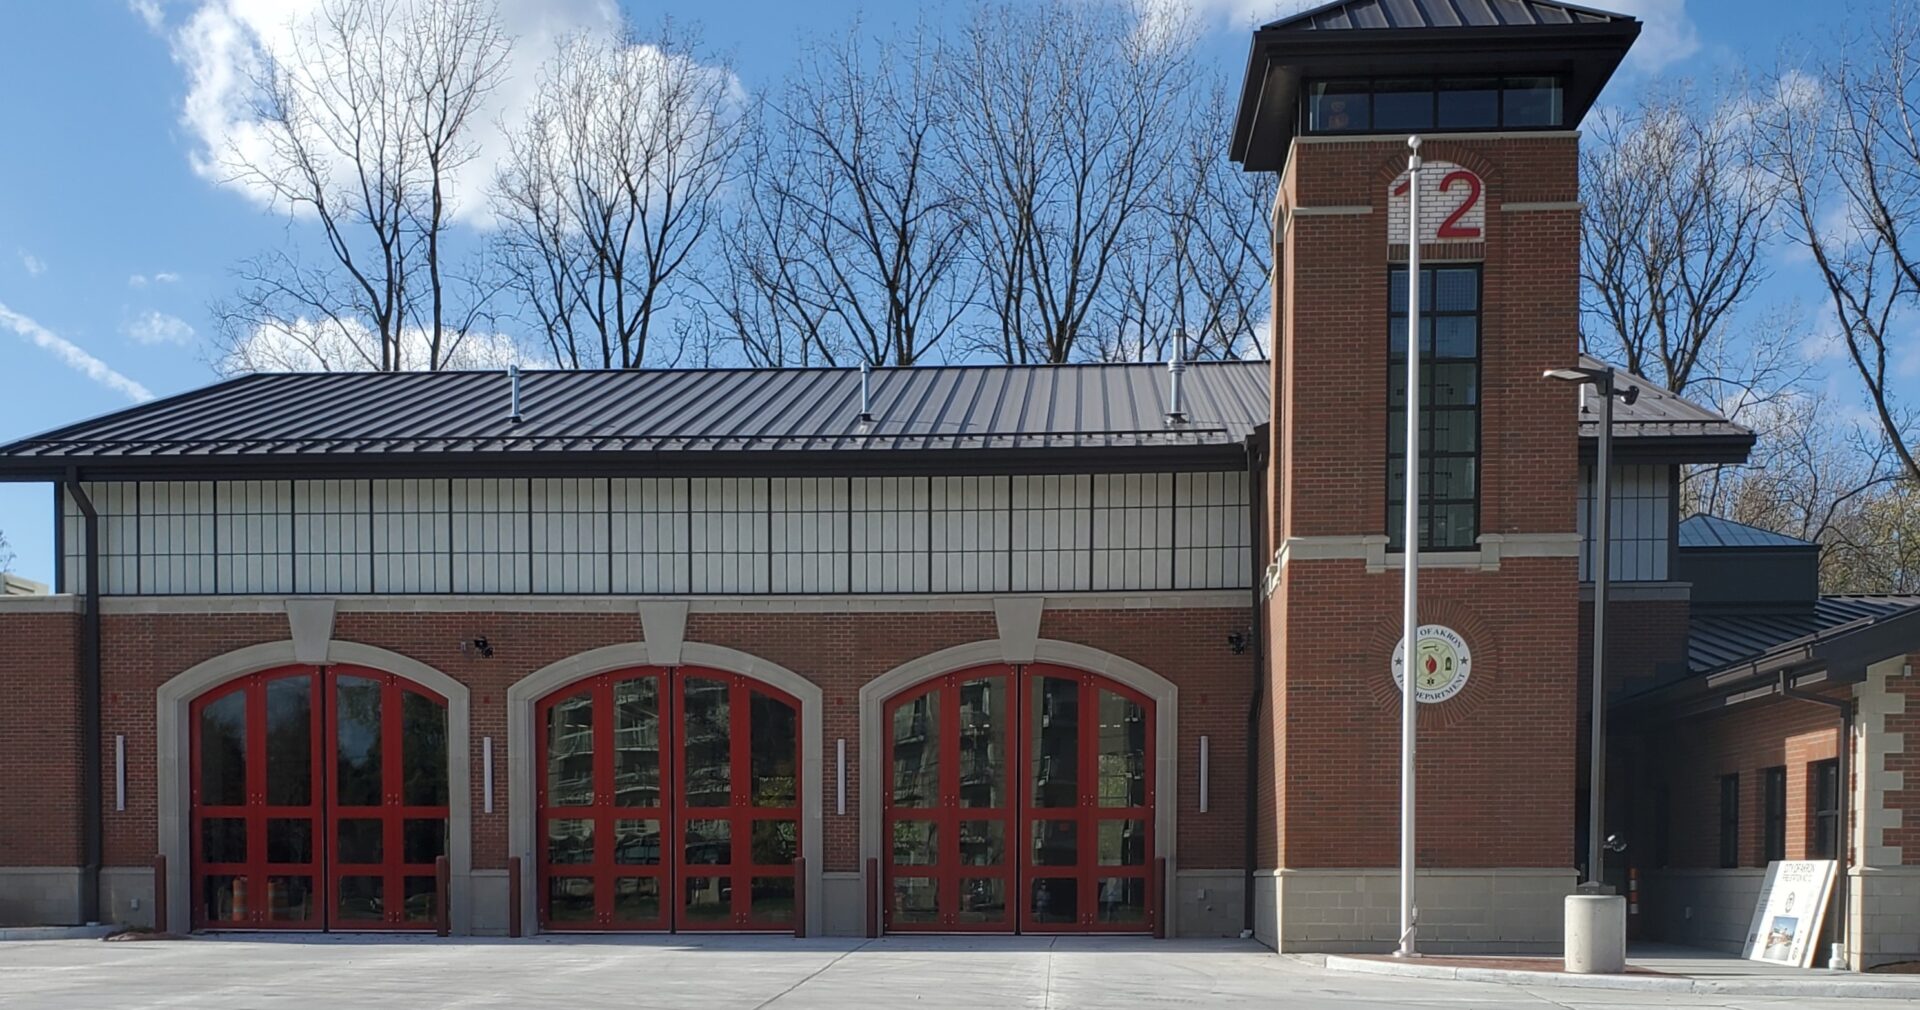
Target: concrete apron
{"x":1674,"y":970}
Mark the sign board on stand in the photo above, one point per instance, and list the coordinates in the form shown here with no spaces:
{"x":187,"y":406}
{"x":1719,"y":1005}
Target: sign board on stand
{"x":1786,"y":921}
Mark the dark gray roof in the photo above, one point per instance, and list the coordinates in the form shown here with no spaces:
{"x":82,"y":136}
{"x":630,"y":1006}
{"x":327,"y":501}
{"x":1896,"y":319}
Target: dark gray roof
{"x":369,"y":415}
{"x":1065,"y":415}
{"x":1714,"y":531}
{"x":1661,"y":414}
{"x":1441,"y":14}
{"x":1723,"y":639}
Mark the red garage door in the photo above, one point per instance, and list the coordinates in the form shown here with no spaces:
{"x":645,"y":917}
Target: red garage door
{"x":1019,"y":799}
{"x":319,"y":801}
{"x":669,"y":798}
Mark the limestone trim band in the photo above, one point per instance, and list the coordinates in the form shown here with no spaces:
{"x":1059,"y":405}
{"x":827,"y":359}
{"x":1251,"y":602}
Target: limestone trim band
{"x":452,"y":603}
{"x":522,"y":761}
{"x":173,"y":731}
{"x":1372,"y":549}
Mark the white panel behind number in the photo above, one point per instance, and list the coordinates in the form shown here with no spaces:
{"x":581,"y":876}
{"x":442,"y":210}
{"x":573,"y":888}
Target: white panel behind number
{"x":1453,"y":205}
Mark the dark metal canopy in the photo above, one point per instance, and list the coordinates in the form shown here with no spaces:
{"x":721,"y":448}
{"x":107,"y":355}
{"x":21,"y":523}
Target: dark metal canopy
{"x":1832,"y":646}
{"x":1365,"y":38}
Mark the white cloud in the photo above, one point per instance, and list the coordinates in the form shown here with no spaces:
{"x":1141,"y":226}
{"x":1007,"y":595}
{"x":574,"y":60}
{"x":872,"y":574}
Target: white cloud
{"x":1667,"y":34}
{"x":149,"y":12}
{"x":306,"y":345}
{"x":34,"y":265}
{"x":142,"y":280}
{"x":222,"y":45}
{"x":72,"y":356}
{"x":159,"y":328}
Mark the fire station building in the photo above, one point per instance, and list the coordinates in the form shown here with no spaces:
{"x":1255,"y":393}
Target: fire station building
{"x":1067,"y":649}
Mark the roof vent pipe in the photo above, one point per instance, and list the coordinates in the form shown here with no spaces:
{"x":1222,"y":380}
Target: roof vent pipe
{"x":866,"y":392}
{"x":513,"y":393}
{"x":1176,"y":371}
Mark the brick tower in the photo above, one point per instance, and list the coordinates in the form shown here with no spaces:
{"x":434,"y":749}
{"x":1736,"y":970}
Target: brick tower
{"x":1497,"y":90}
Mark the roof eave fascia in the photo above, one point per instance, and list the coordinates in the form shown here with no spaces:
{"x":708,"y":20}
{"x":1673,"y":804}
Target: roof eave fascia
{"x":704,"y":463}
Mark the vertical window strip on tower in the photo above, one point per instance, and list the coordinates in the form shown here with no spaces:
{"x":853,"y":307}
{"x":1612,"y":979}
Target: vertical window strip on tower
{"x":1449,"y":407}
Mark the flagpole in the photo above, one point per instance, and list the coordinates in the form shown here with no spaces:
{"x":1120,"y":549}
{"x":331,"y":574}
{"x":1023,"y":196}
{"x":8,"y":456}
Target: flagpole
{"x":1410,"y":546}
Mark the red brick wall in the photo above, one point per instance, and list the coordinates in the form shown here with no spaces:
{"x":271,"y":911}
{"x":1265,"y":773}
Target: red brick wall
{"x":39,"y":737}
{"x":840,"y":652}
{"x":1745,"y":741}
{"x":1497,"y":762}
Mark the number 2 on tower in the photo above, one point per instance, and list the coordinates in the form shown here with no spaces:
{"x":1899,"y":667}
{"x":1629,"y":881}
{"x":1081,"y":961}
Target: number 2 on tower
{"x":1451,"y":228}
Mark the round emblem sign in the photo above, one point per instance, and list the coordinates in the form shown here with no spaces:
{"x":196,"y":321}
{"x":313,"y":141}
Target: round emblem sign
{"x":1441,"y":665}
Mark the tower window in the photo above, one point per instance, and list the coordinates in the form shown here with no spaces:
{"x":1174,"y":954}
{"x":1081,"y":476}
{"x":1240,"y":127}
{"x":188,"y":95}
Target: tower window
{"x":1449,"y":407}
{"x":1406,"y":104}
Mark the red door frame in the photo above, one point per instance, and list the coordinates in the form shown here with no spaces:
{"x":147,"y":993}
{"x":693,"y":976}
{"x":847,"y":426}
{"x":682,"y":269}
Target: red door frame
{"x":392,"y":813}
{"x":1086,"y":813}
{"x":740,"y":813}
{"x":252,"y":899}
{"x":1018,"y":870}
{"x":323,"y":816}
{"x":603,"y":811}
{"x":947,"y":872}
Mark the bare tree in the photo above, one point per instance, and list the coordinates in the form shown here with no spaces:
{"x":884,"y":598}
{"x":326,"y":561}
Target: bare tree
{"x":7,"y":557}
{"x":611,"y":189}
{"x":881,"y":221}
{"x":1844,"y":146}
{"x":762,"y":290}
{"x":1675,"y":226}
{"x":1063,"y":117}
{"x":1200,"y":273}
{"x":364,"y":121}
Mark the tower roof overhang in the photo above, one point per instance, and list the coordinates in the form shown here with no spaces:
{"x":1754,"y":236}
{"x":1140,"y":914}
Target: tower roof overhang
{"x":1366,"y":38}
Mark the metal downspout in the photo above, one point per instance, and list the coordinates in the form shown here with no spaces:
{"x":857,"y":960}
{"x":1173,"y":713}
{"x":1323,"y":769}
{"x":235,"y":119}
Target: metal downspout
{"x":1844,"y":829}
{"x":90,"y":739}
{"x":1256,"y":515}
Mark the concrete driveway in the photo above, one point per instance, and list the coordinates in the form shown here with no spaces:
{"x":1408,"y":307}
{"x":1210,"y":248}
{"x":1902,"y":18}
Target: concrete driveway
{"x":687,"y":973}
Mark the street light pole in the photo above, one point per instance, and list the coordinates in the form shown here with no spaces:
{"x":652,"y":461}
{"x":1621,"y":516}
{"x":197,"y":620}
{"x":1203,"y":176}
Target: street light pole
{"x":1602,"y":548}
{"x":1601,"y":379}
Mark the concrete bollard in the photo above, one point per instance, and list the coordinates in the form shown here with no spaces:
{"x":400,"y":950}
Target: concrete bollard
{"x":1596,"y":934}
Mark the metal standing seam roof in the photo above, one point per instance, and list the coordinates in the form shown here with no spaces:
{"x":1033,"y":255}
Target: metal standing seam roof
{"x":1363,"y":14}
{"x":1718,"y":640}
{"x":1657,"y":413}
{"x":1709,"y":531}
{"x":1084,"y":407}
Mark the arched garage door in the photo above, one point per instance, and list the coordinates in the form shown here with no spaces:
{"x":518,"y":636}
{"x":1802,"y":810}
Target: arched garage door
{"x":318,"y":801}
{"x":669,"y":798}
{"x":1019,"y":798}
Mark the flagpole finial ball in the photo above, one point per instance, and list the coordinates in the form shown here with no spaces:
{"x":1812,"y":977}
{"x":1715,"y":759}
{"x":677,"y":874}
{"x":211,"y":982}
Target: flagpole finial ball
{"x":1414,"y":142}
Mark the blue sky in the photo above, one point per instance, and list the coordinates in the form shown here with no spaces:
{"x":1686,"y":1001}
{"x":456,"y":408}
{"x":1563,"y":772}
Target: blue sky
{"x":113,"y":244}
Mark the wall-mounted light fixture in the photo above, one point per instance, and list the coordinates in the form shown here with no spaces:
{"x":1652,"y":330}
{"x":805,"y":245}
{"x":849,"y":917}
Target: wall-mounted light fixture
{"x":477,"y":647}
{"x":1237,"y":641}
